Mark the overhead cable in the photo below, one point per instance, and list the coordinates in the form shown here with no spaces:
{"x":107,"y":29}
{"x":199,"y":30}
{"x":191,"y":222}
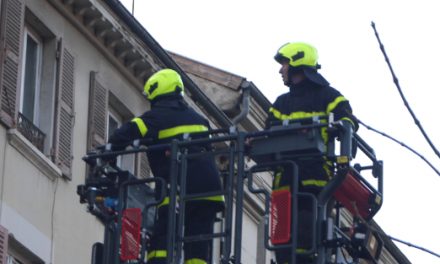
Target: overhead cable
{"x":396,"y":82}
{"x":400,"y":143}
{"x":414,"y":246}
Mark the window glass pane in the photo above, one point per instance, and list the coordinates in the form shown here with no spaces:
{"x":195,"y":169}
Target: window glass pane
{"x":30,"y":78}
{"x":112,"y":125}
{"x":126,"y":161}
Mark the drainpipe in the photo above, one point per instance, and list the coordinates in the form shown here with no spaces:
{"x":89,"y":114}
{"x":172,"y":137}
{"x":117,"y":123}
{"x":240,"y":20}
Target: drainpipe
{"x":246,"y":88}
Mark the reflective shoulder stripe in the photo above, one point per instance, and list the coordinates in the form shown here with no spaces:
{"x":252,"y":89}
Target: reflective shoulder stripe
{"x":294,"y":115}
{"x":195,"y":261}
{"x":331,"y":106}
{"x":157,"y":254}
{"x":141,"y":125}
{"x":178,"y":130}
{"x":319,"y":183}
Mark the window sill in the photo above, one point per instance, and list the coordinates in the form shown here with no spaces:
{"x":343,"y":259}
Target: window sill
{"x":44,"y":164}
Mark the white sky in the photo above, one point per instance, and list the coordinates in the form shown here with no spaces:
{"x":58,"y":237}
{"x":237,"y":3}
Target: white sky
{"x":242,"y":37}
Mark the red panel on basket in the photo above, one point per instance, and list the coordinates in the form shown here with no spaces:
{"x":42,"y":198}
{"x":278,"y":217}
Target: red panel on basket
{"x":131,"y":234}
{"x":281,"y":215}
{"x":354,"y":196}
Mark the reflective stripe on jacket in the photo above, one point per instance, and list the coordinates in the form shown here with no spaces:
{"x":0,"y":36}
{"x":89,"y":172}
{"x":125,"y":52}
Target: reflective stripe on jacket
{"x":169,"y":119}
{"x":308,"y":100}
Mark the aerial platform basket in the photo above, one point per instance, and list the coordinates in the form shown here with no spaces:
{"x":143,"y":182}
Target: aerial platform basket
{"x":287,"y":142}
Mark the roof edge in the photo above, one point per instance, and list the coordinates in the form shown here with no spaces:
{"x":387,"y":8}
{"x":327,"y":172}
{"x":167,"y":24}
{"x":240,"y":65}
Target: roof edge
{"x":117,"y":7}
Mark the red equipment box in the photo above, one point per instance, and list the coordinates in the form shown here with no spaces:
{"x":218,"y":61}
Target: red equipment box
{"x":281,"y":215}
{"x":131,"y":234}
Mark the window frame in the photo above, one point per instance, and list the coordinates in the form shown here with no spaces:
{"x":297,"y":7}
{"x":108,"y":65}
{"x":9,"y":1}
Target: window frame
{"x":115,"y":116}
{"x":30,"y":33}
{"x":20,"y":254}
{"x":38,"y":125}
{"x":14,"y":260}
{"x":128,"y":161}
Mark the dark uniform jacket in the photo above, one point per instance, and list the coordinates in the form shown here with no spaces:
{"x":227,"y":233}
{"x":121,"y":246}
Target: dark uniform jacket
{"x":171,"y":118}
{"x":306,"y":100}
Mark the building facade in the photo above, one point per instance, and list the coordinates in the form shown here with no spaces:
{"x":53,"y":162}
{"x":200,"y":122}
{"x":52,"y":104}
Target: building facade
{"x":71,"y":71}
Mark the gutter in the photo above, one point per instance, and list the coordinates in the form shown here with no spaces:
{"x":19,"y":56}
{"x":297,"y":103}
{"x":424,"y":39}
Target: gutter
{"x":141,"y":32}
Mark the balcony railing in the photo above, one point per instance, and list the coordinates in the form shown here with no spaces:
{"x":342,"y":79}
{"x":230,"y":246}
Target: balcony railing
{"x":31,"y":132}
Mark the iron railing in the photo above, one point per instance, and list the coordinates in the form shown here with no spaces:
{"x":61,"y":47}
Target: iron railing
{"x":30,"y":131}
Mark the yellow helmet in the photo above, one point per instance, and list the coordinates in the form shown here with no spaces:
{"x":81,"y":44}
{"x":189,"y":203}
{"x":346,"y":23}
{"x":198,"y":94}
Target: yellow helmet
{"x":163,"y":82}
{"x":298,"y":54}
{"x":301,"y":57}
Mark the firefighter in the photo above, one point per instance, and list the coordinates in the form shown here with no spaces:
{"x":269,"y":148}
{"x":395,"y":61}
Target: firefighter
{"x":170,"y":117}
{"x":309,"y":95}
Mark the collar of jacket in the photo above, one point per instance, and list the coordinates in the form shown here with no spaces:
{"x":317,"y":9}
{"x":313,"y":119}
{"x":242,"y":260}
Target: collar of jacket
{"x":169,"y":102}
{"x":302,"y":87}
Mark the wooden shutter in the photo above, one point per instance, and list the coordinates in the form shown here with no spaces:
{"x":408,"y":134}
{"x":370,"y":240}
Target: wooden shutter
{"x":4,"y":238}
{"x":11,"y":35}
{"x":98,"y":113}
{"x":65,"y":110}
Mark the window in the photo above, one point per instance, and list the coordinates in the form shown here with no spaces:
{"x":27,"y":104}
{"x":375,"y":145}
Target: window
{"x":30,"y":90}
{"x":29,"y":110}
{"x":14,"y":260}
{"x":125,"y":162}
{"x":36,"y":89}
{"x":13,"y":252}
{"x":106,"y":113}
{"x":19,"y":254}
{"x":36,"y":110}
{"x":113,"y":123}
{"x":36,"y":85}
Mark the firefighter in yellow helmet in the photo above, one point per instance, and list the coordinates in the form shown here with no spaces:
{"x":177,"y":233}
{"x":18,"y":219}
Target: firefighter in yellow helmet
{"x":309,"y":95}
{"x":170,"y":118}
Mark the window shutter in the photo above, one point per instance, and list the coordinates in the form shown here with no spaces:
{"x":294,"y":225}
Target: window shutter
{"x":65,"y":110}
{"x":4,"y":237}
{"x":11,"y":35}
{"x":98,"y":109}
